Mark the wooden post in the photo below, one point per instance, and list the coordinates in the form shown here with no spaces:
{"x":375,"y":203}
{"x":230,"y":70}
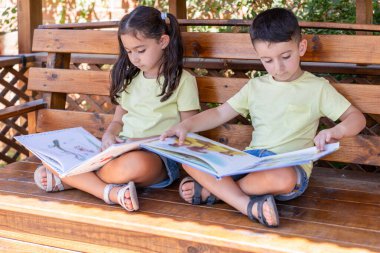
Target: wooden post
{"x":364,"y":13}
{"x":178,"y":8}
{"x":29,"y":16}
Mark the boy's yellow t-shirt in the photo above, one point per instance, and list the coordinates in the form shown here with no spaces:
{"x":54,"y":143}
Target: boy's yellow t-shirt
{"x":285,"y":115}
{"x":146,"y":116}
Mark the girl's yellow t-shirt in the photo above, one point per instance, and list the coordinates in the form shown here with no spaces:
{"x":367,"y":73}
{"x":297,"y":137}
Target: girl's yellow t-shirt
{"x":146,"y":116}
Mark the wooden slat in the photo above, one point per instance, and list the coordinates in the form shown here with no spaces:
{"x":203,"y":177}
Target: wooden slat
{"x":69,"y":81}
{"x":219,"y":22}
{"x":86,"y":41}
{"x":50,"y":119}
{"x":211,"y":89}
{"x":322,"y":48}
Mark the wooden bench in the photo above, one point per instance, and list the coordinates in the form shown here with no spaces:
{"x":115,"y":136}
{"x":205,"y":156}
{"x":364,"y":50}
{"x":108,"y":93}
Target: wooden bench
{"x":340,"y":212}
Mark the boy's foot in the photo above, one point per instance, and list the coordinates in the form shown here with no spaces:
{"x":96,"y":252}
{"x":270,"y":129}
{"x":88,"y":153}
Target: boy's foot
{"x":192,"y":192}
{"x":263,"y":209}
{"x":47,"y":181}
{"x":123,"y":194}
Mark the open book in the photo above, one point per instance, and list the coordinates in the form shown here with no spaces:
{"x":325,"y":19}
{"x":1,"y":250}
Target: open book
{"x":74,"y":150}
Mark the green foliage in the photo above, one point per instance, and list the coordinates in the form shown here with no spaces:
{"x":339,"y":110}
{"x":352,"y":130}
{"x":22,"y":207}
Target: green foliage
{"x":8,"y":19}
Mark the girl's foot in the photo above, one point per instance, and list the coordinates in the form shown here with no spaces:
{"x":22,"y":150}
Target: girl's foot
{"x":47,"y":181}
{"x":192,"y":192}
{"x":123,"y":194}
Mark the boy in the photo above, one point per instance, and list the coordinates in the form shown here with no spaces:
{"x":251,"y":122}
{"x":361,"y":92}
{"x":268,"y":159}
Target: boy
{"x":285,"y":106}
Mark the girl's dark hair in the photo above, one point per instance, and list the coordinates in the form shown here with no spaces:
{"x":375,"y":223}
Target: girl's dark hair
{"x":275,"y":25}
{"x":147,"y":22}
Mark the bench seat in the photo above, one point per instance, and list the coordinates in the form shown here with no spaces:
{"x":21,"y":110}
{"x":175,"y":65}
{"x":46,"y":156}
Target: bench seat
{"x":340,"y":212}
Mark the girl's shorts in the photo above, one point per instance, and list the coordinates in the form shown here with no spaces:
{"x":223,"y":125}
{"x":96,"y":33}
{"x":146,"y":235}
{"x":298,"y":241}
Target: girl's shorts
{"x":302,"y":180}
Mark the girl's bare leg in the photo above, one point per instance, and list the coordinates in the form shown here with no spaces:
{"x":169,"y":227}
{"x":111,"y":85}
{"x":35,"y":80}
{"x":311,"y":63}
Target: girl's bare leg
{"x":144,"y":168}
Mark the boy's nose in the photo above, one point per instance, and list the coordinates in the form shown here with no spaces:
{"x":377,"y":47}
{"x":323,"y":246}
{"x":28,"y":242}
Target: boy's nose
{"x":279,"y":67}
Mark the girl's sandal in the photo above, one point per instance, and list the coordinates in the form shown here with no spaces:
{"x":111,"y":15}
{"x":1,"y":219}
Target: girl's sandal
{"x":260,"y":200}
{"x":197,"y":198}
{"x":121,"y":195}
{"x":58,"y":186}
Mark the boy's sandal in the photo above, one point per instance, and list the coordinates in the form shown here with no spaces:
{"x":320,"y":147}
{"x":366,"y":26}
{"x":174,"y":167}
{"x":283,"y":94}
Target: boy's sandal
{"x":197,"y":198}
{"x":58,"y":186}
{"x":121,"y":195}
{"x":260,"y":200}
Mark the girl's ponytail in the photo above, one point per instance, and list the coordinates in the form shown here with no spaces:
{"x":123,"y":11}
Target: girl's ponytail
{"x":173,"y":57}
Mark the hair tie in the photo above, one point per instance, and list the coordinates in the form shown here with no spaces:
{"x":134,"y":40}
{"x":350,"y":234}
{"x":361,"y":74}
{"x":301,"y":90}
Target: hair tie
{"x":164,"y":15}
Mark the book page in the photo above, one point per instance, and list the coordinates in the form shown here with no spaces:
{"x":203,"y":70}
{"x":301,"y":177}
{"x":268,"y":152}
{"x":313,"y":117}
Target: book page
{"x":67,"y":147}
{"x":105,"y":156}
{"x":223,"y":159}
{"x":298,"y":157}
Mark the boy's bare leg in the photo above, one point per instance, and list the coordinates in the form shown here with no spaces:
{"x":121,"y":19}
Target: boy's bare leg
{"x":142,"y":167}
{"x":276,"y":181}
{"x":234,"y":193}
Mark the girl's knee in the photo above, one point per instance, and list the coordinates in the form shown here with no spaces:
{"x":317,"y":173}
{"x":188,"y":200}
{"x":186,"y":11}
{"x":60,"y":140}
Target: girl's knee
{"x":132,"y":167}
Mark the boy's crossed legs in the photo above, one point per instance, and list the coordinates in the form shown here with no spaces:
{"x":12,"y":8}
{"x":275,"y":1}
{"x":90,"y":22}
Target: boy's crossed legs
{"x":142,"y":167}
{"x":237,"y":193}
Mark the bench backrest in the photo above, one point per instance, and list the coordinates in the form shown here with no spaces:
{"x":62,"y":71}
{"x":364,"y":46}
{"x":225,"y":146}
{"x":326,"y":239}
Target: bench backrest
{"x":57,"y":80}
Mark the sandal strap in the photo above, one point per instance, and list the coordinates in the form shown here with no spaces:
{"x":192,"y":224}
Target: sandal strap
{"x":49,"y":181}
{"x":197,"y":197}
{"x":260,"y":200}
{"x":58,"y":183}
{"x":133,"y":197}
{"x":106,"y":193}
{"x":211,"y":199}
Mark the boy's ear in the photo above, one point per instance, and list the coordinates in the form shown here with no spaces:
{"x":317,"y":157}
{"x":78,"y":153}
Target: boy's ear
{"x":302,"y":47}
{"x":164,"y":41}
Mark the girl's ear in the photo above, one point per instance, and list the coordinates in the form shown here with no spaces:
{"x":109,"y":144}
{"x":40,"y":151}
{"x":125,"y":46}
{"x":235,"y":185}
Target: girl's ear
{"x":164,"y":41}
{"x":302,"y":47}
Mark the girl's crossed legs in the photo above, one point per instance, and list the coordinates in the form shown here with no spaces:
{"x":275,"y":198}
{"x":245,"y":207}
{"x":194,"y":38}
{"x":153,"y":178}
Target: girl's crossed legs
{"x":142,"y":167}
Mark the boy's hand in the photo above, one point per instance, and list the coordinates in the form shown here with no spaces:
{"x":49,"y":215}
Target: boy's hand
{"x":109,"y":139}
{"x":176,"y":130}
{"x":327,"y":136}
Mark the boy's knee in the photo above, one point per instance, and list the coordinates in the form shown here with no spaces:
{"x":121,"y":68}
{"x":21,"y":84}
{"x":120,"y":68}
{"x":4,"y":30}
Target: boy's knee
{"x":286,"y":181}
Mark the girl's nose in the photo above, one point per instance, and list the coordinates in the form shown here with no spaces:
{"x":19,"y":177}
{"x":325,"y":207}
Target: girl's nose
{"x":135,"y":57}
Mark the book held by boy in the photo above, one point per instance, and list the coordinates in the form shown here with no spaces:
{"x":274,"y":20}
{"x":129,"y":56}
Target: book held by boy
{"x":74,"y":150}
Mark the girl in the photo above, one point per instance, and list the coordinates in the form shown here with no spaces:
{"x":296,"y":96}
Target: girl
{"x":153,"y":92}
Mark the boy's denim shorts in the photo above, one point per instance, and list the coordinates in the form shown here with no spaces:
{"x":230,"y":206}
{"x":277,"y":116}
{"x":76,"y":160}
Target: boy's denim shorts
{"x":302,"y":180}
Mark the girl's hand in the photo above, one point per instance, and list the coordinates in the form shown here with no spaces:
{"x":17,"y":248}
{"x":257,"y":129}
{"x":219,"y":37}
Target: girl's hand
{"x":109,"y":139}
{"x":327,"y":136}
{"x":177,"y":130}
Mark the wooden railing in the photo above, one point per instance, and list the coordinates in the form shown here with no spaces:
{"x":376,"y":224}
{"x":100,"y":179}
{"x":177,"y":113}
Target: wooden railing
{"x":13,"y":85}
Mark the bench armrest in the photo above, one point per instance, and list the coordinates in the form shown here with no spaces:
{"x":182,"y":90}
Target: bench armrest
{"x":17,"y":110}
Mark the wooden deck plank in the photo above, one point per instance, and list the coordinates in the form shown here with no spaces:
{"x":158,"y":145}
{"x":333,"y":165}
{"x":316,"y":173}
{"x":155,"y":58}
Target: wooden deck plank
{"x":318,"y":213}
{"x":14,"y":245}
{"x":203,"y":227}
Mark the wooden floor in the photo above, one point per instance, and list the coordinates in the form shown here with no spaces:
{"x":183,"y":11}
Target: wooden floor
{"x":340,"y":212}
